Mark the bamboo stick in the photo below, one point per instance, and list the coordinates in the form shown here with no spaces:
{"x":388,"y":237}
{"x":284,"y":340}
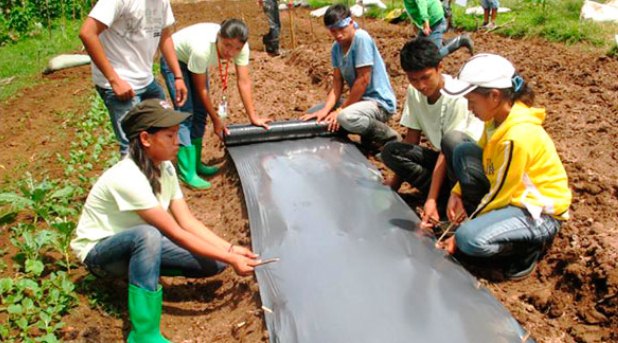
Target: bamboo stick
{"x":292,"y":26}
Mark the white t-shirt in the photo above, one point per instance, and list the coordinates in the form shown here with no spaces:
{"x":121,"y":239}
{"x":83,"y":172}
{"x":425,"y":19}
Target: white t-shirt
{"x":131,"y":38}
{"x":114,"y":198}
{"x":196,"y":47}
{"x":445,"y":115}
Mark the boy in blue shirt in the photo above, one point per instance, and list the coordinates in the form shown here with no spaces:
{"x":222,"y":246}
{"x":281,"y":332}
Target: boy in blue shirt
{"x":357,"y":61}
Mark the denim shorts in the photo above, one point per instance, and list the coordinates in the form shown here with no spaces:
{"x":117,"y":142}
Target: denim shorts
{"x":489,"y":4}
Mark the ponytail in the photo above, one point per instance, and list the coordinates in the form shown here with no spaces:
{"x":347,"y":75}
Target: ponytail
{"x":520,"y":91}
{"x":144,"y":163}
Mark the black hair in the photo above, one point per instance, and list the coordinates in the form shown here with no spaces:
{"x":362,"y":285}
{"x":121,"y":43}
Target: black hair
{"x":144,"y":163}
{"x":525,"y":93}
{"x":335,"y":13}
{"x":418,"y":54}
{"x":234,"y":29}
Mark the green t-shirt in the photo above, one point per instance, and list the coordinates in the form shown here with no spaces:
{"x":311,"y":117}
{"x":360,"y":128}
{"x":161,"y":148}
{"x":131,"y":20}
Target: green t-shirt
{"x":424,"y":10}
{"x":114,"y":199}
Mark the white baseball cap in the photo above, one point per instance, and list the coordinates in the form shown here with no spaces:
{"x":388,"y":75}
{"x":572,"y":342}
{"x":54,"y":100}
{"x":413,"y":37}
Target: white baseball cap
{"x":482,"y":70}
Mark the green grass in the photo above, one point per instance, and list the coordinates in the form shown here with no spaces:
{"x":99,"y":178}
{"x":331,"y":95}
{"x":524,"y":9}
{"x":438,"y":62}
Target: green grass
{"x":21,"y":61}
{"x":322,"y":3}
{"x":556,"y":21}
{"x":553,"y":20}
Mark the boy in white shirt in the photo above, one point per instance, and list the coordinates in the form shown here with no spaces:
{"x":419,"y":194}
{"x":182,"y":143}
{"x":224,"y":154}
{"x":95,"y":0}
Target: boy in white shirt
{"x":122,"y":38}
{"x":444,"y":121}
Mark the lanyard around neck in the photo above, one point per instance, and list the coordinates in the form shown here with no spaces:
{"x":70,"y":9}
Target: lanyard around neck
{"x":222,"y":76}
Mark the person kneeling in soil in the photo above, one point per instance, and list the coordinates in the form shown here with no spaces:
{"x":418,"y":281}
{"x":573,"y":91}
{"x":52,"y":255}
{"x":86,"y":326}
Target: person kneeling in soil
{"x":444,"y":120}
{"x":199,"y":47}
{"x":512,"y":184}
{"x":429,"y":18}
{"x":371,"y":102}
{"x":136,"y":223}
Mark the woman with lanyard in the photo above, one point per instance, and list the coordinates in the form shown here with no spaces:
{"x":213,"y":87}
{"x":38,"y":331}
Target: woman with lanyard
{"x":199,"y":47}
{"x":136,"y":224}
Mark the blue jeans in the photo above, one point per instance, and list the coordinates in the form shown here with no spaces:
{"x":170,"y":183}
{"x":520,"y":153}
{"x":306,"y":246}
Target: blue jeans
{"x":271,"y":39}
{"x":436,"y":35}
{"x":506,"y":231}
{"x":118,"y":109}
{"x":142,"y":253}
{"x":194,"y":126}
{"x":467,"y":165}
{"x":490,"y":4}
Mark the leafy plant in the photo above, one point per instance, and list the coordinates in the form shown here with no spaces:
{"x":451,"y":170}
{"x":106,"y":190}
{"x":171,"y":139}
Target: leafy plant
{"x":35,"y":306}
{"x":30,"y":246}
{"x":23,"y":18}
{"x":64,"y":229}
{"x":44,"y":199}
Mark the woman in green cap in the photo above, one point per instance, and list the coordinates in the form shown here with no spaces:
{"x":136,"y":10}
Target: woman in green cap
{"x":136,"y":224}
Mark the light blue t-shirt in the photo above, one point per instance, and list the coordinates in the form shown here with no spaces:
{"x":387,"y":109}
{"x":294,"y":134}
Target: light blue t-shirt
{"x":362,"y":53}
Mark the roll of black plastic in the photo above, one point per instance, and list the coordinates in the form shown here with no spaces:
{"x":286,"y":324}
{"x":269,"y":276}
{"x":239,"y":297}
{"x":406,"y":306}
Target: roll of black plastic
{"x":294,"y":129}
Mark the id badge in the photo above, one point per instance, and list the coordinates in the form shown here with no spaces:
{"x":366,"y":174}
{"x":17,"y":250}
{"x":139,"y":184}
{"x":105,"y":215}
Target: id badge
{"x":222,"y":111}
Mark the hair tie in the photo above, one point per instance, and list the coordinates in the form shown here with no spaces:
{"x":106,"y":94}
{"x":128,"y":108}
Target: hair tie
{"x":518,"y":82}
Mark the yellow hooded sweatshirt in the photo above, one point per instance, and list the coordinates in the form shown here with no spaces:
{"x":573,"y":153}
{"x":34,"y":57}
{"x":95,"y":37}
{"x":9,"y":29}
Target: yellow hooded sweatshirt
{"x":523,"y":167}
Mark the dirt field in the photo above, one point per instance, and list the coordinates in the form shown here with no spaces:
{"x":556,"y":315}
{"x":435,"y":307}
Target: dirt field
{"x":571,"y":297}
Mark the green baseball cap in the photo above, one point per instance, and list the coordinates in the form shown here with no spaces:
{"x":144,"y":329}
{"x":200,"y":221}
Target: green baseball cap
{"x":148,"y":114}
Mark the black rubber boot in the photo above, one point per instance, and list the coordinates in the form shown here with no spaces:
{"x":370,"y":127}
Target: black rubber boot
{"x":271,"y":45}
{"x":460,"y":41}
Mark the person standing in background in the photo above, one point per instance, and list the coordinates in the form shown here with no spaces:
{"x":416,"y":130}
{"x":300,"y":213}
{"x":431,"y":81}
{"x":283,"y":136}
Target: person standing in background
{"x":122,"y":38}
{"x":428,"y":16}
{"x":271,"y":39}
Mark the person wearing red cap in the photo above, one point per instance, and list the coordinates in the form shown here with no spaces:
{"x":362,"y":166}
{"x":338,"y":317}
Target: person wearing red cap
{"x":136,"y":224}
{"x":512,"y":193}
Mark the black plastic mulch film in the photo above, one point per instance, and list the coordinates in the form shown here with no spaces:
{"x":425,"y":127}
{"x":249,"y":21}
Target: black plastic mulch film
{"x":352,"y":267}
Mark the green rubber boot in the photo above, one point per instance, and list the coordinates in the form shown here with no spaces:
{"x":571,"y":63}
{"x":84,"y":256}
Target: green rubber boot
{"x":145,"y":315}
{"x":201,"y":168}
{"x":186,"y":168}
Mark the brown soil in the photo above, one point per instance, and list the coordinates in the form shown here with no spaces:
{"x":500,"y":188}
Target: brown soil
{"x":571,"y":297}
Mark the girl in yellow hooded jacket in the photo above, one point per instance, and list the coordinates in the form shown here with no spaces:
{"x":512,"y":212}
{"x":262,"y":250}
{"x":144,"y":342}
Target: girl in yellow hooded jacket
{"x":511,"y":186}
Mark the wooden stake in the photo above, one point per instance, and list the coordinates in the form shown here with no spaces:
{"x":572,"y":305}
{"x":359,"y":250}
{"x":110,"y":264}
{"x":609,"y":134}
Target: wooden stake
{"x":292,"y":33}
{"x":448,"y":229}
{"x":363,"y":14}
{"x":311,"y":28}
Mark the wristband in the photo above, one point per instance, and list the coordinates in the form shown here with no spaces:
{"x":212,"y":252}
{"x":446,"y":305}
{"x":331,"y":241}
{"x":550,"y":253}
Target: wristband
{"x":177,"y":77}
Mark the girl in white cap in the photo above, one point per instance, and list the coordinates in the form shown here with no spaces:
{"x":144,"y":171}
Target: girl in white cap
{"x":136,"y":224}
{"x":512,"y":186}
